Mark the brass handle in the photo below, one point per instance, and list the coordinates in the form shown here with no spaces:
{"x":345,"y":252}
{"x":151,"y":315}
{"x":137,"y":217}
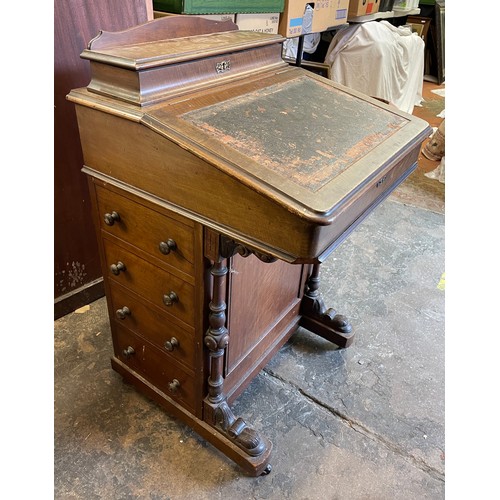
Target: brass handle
{"x":111,"y":218}
{"x":174,"y":385}
{"x":117,"y":268}
{"x":171,"y":344}
{"x":169,"y":299}
{"x":123,"y":312}
{"x":167,"y":246}
{"x":128,"y":351}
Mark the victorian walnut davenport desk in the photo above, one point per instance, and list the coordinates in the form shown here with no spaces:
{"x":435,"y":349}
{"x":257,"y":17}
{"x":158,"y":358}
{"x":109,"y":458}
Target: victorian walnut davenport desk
{"x":221,"y":178}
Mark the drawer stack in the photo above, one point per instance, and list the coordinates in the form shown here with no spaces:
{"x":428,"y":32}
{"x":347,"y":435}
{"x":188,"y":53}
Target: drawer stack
{"x":148,"y":256}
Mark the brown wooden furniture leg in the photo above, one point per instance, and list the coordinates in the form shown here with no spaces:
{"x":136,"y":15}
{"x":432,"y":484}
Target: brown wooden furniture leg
{"x":216,"y":411}
{"x":322,"y":321}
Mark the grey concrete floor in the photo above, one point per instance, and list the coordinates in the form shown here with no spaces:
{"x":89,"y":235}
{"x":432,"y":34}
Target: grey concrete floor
{"x":365,"y":422}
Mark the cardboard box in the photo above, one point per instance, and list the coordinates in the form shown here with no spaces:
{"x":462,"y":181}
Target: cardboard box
{"x":363,"y":7}
{"x":327,"y":13}
{"x":263,"y":23}
{"x":218,"y":6}
{"x":213,"y":17}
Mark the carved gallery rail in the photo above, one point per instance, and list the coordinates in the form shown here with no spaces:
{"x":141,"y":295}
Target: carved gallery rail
{"x":205,"y":152}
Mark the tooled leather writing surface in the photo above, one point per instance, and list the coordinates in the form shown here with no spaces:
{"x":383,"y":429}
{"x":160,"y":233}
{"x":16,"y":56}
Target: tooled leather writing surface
{"x":302,"y":130}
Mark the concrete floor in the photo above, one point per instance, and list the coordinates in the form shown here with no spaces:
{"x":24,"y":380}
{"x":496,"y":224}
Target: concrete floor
{"x":366,"y":422}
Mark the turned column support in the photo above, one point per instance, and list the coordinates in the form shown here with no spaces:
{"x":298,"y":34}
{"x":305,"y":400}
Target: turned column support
{"x":217,"y":336}
{"x":216,"y":411}
{"x":321,"y":320}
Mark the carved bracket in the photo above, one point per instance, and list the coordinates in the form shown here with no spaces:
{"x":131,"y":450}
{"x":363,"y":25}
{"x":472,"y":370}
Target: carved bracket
{"x":235,"y":429}
{"x":321,"y":320}
{"x":229,"y":247}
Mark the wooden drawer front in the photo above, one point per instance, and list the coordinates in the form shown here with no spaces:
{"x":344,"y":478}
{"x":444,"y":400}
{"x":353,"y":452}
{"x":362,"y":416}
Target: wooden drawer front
{"x":153,"y":365}
{"x":151,"y":282}
{"x":147,"y":229}
{"x":174,"y":341}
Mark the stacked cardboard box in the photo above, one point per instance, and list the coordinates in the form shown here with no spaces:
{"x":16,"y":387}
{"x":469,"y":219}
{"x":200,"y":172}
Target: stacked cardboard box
{"x":326,"y":14}
{"x":264,"y":23}
{"x":363,"y":7}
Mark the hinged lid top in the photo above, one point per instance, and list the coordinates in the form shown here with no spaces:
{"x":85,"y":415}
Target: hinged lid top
{"x":158,"y":59}
{"x":303,"y":130}
{"x":145,"y":55}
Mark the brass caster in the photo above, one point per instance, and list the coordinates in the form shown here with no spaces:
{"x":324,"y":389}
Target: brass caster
{"x":267,"y":470}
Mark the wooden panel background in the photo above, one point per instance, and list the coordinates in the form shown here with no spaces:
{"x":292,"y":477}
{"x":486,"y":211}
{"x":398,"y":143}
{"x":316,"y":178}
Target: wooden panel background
{"x":77,"y":272}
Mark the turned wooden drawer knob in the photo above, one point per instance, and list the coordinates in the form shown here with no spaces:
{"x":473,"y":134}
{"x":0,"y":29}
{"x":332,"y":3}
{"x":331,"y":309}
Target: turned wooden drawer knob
{"x":117,"y":268}
{"x":171,"y":344}
{"x":123,"y":312}
{"x":111,"y":218}
{"x":128,"y":351}
{"x":167,"y":246}
{"x":169,"y":299}
{"x":174,"y":385}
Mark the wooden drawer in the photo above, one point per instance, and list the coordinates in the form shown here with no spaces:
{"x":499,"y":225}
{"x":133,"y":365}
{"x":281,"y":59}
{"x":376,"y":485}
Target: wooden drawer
{"x":155,"y":366}
{"x":167,"y":239}
{"x":154,"y":327}
{"x":151,"y":282}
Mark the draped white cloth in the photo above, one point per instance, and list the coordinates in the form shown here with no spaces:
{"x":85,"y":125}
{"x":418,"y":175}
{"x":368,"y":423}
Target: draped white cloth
{"x":380,"y":60}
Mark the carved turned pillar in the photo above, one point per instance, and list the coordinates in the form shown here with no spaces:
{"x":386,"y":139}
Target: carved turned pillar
{"x":216,"y":411}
